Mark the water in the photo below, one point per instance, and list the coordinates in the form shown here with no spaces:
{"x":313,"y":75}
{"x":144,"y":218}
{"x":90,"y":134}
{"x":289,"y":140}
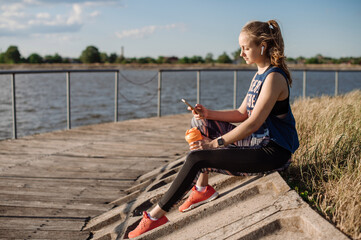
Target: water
{"x":41,"y":98}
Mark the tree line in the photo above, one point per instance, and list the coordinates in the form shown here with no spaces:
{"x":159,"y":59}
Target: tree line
{"x":91,"y":54}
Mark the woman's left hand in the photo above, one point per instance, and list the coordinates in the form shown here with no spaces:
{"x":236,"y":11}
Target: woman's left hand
{"x":202,"y":144}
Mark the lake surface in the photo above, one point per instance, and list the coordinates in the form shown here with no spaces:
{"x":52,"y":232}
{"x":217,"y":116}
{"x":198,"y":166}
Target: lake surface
{"x":41,"y":98}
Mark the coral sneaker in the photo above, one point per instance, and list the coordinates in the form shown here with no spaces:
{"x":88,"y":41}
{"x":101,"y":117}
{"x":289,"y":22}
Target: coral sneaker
{"x":198,"y":198}
{"x":146,"y":224}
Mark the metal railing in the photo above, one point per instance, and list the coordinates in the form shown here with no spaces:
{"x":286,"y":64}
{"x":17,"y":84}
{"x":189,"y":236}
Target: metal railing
{"x":160,"y":71}
{"x":235,"y":71}
{"x":68,"y":86}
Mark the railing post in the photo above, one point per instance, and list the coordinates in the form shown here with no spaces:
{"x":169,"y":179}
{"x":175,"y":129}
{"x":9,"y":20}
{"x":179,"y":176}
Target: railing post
{"x":336,"y":83}
{"x":68,"y":110}
{"x":116,"y":89}
{"x":235,"y":89}
{"x":304,"y":84}
{"x":13,"y":96}
{"x":198,"y":87}
{"x":159,"y":92}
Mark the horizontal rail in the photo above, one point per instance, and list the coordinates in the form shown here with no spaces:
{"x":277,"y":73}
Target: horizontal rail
{"x":56,"y":71}
{"x":254,"y":69}
{"x":4,"y":72}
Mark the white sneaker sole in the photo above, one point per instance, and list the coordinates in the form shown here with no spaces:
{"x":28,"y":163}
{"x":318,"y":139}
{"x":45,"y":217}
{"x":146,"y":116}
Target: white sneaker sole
{"x":214,"y":196}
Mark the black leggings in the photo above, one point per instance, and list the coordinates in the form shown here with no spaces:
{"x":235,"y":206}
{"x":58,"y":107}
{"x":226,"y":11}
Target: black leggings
{"x":230,"y":161}
{"x":247,"y":156}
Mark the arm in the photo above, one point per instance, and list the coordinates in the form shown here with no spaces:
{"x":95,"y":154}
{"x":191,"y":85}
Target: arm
{"x":273,"y":87}
{"x":236,"y":115}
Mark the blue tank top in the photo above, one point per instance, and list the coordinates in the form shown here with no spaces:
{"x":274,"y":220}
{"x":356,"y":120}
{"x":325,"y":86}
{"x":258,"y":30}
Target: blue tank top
{"x":280,"y":130}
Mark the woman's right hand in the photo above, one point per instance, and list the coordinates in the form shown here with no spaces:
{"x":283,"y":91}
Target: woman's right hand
{"x":202,"y":111}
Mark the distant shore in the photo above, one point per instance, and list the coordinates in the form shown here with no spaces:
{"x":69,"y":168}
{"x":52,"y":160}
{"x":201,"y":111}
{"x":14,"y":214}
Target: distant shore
{"x":332,"y":67}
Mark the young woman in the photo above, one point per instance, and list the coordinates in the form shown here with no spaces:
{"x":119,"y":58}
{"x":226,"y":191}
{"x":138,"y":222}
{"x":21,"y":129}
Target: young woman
{"x":263,"y":141}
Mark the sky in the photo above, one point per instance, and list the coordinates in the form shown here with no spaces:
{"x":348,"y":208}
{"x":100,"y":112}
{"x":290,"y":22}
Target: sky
{"x":176,"y":27}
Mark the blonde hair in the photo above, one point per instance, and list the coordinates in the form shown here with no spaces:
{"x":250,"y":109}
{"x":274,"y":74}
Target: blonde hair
{"x":270,"y":33}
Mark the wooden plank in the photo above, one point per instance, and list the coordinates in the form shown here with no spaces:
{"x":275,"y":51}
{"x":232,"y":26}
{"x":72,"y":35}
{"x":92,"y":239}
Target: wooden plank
{"x":45,"y":212}
{"x":84,"y":205}
{"x":32,"y":172}
{"x":41,"y":234}
{"x":87,"y":193}
{"x":12,"y":194}
{"x":97,"y":199}
{"x":72,"y":224}
{"x":25,"y":182}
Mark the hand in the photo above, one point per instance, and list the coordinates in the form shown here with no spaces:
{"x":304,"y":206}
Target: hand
{"x":204,"y":144}
{"x":202,"y":112}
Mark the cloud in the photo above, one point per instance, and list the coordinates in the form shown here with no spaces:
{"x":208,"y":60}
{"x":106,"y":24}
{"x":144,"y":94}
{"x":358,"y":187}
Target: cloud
{"x":76,"y":15}
{"x":57,"y":37}
{"x":43,"y":15}
{"x":27,"y":17}
{"x":95,"y":14}
{"x":146,"y":31}
{"x":41,"y":2}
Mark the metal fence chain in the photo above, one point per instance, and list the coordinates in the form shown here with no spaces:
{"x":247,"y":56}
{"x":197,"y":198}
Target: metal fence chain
{"x":136,"y":102}
{"x":138,"y":84}
{"x":135,"y":83}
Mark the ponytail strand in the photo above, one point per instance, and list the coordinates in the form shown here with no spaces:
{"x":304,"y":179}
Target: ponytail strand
{"x":276,"y":50}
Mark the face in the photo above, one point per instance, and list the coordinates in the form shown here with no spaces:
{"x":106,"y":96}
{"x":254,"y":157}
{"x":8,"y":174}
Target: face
{"x":251,"y":53}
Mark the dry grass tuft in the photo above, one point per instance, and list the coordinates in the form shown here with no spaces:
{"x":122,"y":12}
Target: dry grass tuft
{"x":327,"y":169}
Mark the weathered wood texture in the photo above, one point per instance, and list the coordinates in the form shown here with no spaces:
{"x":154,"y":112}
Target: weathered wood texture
{"x":51,"y":184}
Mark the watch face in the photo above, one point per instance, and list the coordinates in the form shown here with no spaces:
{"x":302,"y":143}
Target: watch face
{"x":220,"y":142}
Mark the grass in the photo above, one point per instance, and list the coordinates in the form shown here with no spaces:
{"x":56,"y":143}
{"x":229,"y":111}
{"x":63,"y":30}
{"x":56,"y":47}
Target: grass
{"x":326,"y":171}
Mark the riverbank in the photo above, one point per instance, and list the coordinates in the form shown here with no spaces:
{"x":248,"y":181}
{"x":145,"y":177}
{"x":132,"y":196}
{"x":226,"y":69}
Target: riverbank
{"x":326,"y":170}
{"x":57,"y":66}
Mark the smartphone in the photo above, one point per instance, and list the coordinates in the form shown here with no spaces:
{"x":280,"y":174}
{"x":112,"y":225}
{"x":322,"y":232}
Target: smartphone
{"x":186,"y":103}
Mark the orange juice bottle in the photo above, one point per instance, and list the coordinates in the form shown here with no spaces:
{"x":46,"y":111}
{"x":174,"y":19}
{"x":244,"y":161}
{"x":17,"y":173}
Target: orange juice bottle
{"x":193,"y":135}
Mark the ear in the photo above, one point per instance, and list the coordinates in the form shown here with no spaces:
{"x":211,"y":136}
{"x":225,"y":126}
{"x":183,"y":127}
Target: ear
{"x":263,"y":47}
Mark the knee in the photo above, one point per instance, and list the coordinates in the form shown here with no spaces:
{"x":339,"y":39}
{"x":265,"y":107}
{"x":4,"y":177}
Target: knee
{"x":196,"y":160}
{"x":193,"y":159}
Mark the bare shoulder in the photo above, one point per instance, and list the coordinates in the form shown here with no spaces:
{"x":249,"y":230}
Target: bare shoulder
{"x":276,"y":78}
{"x":276,"y":83}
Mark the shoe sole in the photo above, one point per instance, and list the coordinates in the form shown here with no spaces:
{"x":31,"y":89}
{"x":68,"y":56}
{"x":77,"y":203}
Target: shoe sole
{"x":211,"y":198}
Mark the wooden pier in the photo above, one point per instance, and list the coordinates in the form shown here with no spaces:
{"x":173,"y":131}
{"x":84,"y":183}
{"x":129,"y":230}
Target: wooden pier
{"x":51,"y":184}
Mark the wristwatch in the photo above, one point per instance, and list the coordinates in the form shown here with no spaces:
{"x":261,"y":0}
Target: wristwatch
{"x":220,"y":142}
